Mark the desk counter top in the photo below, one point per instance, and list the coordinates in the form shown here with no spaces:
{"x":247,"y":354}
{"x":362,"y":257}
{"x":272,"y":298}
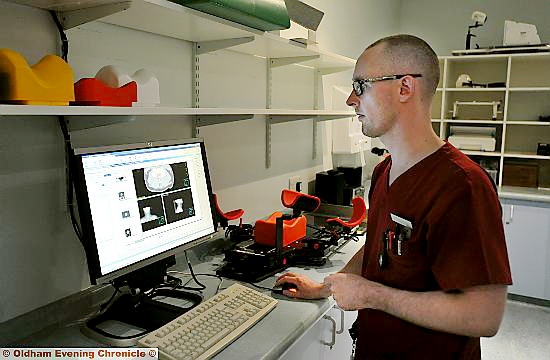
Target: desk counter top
{"x":268,"y":339}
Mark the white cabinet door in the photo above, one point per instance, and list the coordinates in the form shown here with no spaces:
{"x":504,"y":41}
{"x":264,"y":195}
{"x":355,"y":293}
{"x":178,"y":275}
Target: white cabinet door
{"x":327,"y":339}
{"x":342,"y":347}
{"x":310,"y":345}
{"x":527,"y":230}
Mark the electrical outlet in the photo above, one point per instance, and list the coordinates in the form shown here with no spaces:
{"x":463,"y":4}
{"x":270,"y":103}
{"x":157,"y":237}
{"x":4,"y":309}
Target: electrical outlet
{"x":295,"y":183}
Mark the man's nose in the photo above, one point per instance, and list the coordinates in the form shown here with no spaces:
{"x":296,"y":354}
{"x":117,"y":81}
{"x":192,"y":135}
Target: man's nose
{"x":352,"y":99}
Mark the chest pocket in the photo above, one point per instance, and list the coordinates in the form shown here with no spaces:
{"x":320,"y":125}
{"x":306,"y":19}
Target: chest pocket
{"x":408,"y":267}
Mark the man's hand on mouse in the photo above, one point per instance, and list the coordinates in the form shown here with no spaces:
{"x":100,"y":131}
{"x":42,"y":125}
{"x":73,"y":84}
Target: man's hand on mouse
{"x":306,"y":288}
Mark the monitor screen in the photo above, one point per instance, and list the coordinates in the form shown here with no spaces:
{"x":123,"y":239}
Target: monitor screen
{"x":141,"y":203}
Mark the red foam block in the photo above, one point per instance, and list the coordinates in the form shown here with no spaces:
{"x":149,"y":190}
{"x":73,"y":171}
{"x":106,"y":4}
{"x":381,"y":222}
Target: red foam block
{"x":91,"y":91}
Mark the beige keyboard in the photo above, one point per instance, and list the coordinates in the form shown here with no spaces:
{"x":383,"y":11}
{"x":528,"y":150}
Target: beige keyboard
{"x":215,"y":323}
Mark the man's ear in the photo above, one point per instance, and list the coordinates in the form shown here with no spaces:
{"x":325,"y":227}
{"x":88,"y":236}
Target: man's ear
{"x":407,"y":88}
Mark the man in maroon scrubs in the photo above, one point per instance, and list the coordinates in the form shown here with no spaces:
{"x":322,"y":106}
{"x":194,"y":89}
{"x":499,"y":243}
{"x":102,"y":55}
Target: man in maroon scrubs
{"x":432,"y":276}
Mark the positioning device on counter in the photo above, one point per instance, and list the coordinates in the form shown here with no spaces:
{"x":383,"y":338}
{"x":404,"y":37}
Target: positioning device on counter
{"x":282,"y":240}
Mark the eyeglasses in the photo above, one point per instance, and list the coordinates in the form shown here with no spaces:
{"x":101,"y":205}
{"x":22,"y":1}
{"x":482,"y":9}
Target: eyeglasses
{"x":359,"y":85}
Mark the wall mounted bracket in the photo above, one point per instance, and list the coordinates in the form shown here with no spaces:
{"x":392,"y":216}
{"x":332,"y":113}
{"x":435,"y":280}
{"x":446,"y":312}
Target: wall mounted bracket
{"x":72,"y":18}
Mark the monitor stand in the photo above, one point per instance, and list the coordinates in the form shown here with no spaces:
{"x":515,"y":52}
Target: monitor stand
{"x":130,"y":317}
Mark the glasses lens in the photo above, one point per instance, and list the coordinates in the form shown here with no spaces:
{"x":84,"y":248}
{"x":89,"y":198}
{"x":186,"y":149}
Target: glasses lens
{"x":358,"y":88}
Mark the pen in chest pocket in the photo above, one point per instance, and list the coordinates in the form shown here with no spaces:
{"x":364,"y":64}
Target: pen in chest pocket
{"x":403,"y":229}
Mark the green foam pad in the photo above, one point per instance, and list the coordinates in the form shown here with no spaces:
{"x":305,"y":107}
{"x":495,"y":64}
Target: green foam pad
{"x":265,"y":15}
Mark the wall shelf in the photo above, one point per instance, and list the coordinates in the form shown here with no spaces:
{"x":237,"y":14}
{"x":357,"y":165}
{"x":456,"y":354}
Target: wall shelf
{"x":523,"y":100}
{"x":523,"y":193}
{"x":526,"y":155}
{"x":530,"y":89}
{"x":529,"y":123}
{"x":208,"y":33}
{"x":473,"y":121}
{"x":173,"y":20}
{"x":32,"y":110}
{"x":475,"y":89}
{"x":482,"y":153}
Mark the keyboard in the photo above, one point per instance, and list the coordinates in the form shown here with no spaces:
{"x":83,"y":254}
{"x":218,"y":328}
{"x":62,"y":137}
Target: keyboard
{"x":209,"y":327}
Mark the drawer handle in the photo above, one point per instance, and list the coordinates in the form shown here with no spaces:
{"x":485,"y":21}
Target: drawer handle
{"x":509,"y":221}
{"x":341,"y":321}
{"x":333,"y":340}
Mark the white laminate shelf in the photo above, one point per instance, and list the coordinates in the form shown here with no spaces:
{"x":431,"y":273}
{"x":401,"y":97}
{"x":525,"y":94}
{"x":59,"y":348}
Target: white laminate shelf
{"x":37,"y":110}
{"x":482,"y":153}
{"x":528,"y":122}
{"x":497,"y":89}
{"x":465,"y":89}
{"x":524,"y":193}
{"x":525,"y":155}
{"x":473,"y":121}
{"x":170,"y":19}
{"x":530,"y":89}
{"x":494,"y":122}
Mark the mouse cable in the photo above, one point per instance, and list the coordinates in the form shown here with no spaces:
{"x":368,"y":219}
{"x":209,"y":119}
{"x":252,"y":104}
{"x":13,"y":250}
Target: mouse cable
{"x":261,"y":287}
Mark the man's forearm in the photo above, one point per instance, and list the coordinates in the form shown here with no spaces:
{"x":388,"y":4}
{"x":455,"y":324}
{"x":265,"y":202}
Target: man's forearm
{"x":475,"y":312}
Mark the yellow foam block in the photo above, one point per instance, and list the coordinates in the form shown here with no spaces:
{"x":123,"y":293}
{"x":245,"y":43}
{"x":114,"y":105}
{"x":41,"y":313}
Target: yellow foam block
{"x":48,"y":82}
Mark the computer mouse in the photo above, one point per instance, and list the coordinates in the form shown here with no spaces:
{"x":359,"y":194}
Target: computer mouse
{"x":285,"y":286}
{"x":289,"y":286}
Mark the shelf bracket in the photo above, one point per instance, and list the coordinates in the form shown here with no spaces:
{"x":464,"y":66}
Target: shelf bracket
{"x":279,"y":119}
{"x":72,"y":18}
{"x":275,"y":62}
{"x":333,"y":70}
{"x":76,"y":123}
{"x":314,"y":145}
{"x":207,"y":120}
{"x":195,"y":74}
{"x":267,"y":142}
{"x":333,"y":117}
{"x":204,"y":47}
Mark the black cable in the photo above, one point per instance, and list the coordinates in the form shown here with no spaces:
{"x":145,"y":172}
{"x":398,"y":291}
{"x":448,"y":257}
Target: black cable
{"x":261,"y":287}
{"x":185,"y":287}
{"x":106,"y":304}
{"x":62,"y":35}
{"x":69,"y":177}
{"x":173,"y":282}
{"x":201,"y":286}
{"x":66,"y":136}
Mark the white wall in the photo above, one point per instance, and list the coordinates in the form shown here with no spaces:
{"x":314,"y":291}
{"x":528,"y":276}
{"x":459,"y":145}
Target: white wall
{"x":349,"y":26}
{"x":444,"y":23}
{"x":40,"y":253}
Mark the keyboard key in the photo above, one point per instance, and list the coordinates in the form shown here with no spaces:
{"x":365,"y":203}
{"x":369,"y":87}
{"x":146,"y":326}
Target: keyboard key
{"x":206,"y":329}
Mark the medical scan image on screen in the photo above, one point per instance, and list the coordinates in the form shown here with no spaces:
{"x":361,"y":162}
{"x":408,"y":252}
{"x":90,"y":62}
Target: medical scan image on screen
{"x":144,"y":202}
{"x":164,"y":194}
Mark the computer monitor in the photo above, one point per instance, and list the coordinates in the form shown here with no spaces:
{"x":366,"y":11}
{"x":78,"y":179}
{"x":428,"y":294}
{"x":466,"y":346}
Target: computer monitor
{"x":139,"y":206}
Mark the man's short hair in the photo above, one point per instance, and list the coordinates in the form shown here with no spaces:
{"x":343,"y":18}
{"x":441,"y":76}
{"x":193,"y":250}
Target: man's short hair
{"x":415,"y":53}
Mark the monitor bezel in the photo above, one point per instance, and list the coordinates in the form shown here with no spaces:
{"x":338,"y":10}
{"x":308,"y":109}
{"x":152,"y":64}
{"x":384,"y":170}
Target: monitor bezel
{"x":86,"y":224}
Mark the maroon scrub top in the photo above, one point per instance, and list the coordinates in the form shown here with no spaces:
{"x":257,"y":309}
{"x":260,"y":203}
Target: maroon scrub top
{"x":456,"y":241}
